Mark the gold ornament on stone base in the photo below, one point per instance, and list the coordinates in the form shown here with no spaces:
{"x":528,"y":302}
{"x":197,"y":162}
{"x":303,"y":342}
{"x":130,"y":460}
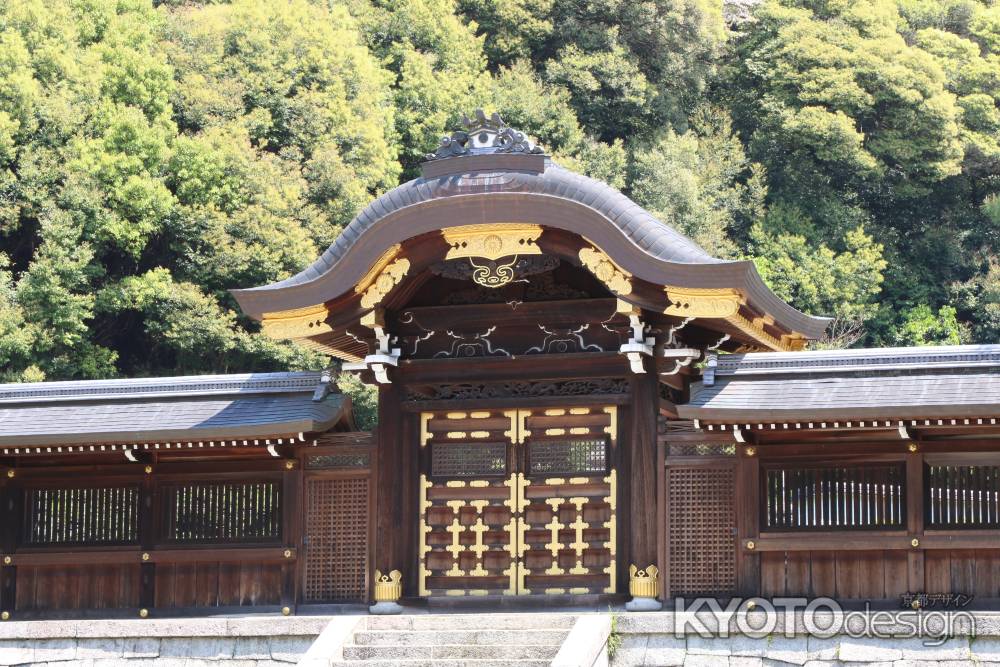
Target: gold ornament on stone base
{"x":644,"y":586}
{"x":388,"y":591}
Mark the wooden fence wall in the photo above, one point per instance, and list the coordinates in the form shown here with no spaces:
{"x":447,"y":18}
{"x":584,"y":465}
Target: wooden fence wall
{"x":865,"y":522}
{"x":183,"y":536}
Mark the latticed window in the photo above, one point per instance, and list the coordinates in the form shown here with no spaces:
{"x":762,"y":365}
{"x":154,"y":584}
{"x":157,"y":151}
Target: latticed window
{"x":834,"y":497}
{"x":223,"y":511}
{"x":962,"y":496}
{"x":575,"y":456}
{"x":84,"y":515}
{"x":356,"y":459}
{"x":702,"y":449}
{"x":468,"y":459}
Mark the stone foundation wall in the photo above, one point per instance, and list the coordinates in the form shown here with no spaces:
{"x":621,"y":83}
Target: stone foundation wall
{"x":209,"y":642}
{"x":649,"y":639}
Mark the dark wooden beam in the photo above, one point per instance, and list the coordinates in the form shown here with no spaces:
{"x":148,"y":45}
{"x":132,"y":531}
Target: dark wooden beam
{"x":518,"y":369}
{"x":11,"y":507}
{"x":747,"y":501}
{"x":395,"y":514}
{"x":641,"y":474}
{"x":915,"y":520}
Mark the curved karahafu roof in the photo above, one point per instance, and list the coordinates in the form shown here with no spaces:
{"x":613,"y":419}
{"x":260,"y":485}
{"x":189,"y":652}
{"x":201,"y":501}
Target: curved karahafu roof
{"x":493,"y":176}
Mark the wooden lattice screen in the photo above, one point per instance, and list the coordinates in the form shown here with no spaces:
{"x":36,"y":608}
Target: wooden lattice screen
{"x":960,"y":496}
{"x":337,"y":539}
{"x":81,"y":515}
{"x":701,"y":529}
{"x":246,"y":511}
{"x":843,"y":497}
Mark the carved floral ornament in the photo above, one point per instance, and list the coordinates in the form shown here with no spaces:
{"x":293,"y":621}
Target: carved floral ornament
{"x":617,"y":279}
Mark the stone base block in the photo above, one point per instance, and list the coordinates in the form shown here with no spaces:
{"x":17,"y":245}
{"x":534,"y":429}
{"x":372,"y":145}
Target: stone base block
{"x":385,"y":608}
{"x":643,"y":604}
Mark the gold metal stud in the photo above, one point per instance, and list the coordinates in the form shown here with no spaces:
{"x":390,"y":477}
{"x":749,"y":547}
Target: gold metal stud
{"x":149,"y":470}
{"x":285,"y":611}
{"x":288,"y":553}
{"x":751,"y":545}
{"x":912,"y":447}
{"x":914,"y":543}
{"x":143,"y":613}
{"x":289,"y":465}
{"x":145,"y":556}
{"x":751,"y":605}
{"x":10,"y":473}
{"x":750,"y":451}
{"x":7,"y":560}
{"x":915,"y":604}
{"x":4,"y":616}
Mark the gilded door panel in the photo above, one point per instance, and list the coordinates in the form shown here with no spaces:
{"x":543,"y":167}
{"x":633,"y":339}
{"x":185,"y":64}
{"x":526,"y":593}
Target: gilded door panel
{"x":568,"y":533}
{"x":468,"y":504}
{"x":517,"y":502}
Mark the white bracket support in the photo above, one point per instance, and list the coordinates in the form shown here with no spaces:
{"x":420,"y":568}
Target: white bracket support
{"x":638,"y":345}
{"x":379,"y":362}
{"x":681,"y":357}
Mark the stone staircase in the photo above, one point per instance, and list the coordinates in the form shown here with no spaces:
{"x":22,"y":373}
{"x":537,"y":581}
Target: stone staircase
{"x":466,"y":640}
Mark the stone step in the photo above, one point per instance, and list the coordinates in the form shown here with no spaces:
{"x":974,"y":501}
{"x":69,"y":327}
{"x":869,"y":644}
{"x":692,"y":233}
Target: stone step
{"x":441,"y":663}
{"x":471,"y":622}
{"x":452,"y":651}
{"x":475,"y":637}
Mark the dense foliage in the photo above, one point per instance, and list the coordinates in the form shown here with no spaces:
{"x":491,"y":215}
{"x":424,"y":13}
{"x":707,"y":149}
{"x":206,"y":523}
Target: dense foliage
{"x":154,"y":156}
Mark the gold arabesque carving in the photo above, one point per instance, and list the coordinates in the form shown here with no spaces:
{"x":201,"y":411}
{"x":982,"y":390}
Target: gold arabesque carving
{"x":387,"y":278}
{"x":617,"y":279}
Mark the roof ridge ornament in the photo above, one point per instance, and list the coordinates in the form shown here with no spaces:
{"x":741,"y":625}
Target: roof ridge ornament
{"x":484,"y":135}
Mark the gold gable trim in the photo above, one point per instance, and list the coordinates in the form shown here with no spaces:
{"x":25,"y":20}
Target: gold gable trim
{"x":492,"y":241}
{"x":296,"y":323}
{"x":702,"y":302}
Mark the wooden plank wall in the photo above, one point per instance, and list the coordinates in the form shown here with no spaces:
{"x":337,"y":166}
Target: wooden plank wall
{"x":882,"y":574}
{"x":62,"y":587}
{"x":214,"y":584}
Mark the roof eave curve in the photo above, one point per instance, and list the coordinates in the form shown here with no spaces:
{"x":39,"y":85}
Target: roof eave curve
{"x":505,"y":188}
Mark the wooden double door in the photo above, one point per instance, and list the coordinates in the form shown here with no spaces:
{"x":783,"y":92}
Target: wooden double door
{"x":518,"y":501}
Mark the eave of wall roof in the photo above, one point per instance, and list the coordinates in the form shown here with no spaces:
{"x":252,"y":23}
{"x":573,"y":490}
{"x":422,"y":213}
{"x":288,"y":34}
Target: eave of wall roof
{"x":882,"y":383}
{"x":159,"y":387}
{"x":502,"y":188}
{"x":193,"y":408}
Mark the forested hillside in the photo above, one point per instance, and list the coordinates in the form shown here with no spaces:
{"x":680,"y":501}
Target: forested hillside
{"x":154,"y":156}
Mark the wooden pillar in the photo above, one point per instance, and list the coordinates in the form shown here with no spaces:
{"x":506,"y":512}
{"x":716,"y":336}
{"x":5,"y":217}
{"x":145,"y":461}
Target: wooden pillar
{"x":915,"y":520}
{"x":149,"y":522}
{"x":11,"y":507}
{"x":396,"y":489}
{"x":747,"y":503}
{"x":292,"y":512}
{"x":641,"y":474}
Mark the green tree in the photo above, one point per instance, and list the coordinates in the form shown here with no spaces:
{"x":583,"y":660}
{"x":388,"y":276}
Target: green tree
{"x":630,"y":67}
